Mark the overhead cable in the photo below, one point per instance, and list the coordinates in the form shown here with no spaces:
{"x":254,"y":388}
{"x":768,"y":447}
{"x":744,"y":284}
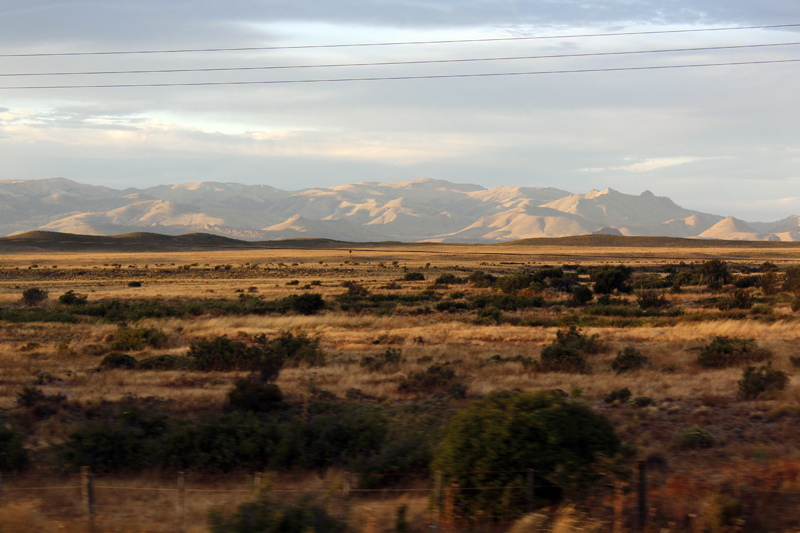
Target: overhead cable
{"x":400,"y":43}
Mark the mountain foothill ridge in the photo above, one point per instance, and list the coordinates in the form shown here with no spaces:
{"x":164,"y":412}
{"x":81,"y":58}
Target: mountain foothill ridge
{"x":424,"y":210}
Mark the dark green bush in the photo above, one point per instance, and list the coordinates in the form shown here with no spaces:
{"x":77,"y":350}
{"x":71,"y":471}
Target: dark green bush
{"x":414,"y":276}
{"x":72,"y":298}
{"x":481,"y":279}
{"x":794,"y":360}
{"x":629,"y":359}
{"x":568,"y":351}
{"x":304,"y":304}
{"x":488,"y":315}
{"x":695,"y":438}
{"x":608,"y":279}
{"x":13,"y":456}
{"x":264,"y":355}
{"x":256,"y":396}
{"x":388,"y":360}
{"x":448,"y":279}
{"x":507,"y":302}
{"x":293,"y":350}
{"x":119,"y":360}
{"x":761,"y":380}
{"x":438,"y":378}
{"x":33,"y":296}
{"x":487,"y":444}
{"x":134,"y":284}
{"x":714,"y":273}
{"x":139,"y":338}
{"x":163,"y":362}
{"x":582,"y":295}
{"x":642,"y":401}
{"x":621,"y":395}
{"x":738,"y":299}
{"x":40,"y":404}
{"x":747,"y":282}
{"x":651,"y":300}
{"x":723,"y":352}
{"x":272,"y":515}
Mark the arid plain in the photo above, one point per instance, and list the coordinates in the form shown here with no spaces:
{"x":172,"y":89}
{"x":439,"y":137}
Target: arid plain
{"x":419,"y":306}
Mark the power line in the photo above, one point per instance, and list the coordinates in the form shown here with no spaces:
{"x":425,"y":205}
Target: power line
{"x":399,"y":43}
{"x":397,"y":78}
{"x":397,"y":63}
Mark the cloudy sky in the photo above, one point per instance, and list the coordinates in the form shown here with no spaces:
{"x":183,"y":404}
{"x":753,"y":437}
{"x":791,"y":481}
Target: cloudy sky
{"x":721,"y":139}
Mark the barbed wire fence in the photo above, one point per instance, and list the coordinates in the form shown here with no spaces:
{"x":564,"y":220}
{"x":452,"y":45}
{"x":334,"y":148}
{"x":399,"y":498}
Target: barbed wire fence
{"x":179,"y":500}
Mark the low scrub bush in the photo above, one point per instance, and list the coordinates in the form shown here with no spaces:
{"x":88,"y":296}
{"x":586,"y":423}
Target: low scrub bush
{"x":72,"y":298}
{"x":40,"y":404}
{"x":724,"y":352}
{"x":389,"y":360}
{"x":738,"y":299}
{"x":617,"y":395}
{"x":448,"y":279}
{"x":568,"y":352}
{"x":695,"y":438}
{"x":642,"y":401}
{"x":273,"y":515}
{"x":439,"y":378}
{"x":629,"y":359}
{"x":139,"y":338}
{"x":255,"y":396}
{"x":414,"y":276}
{"x":33,"y":296}
{"x":119,"y":360}
{"x":564,"y":440}
{"x":762,"y":380}
{"x":582,"y":295}
{"x":651,"y":300}
{"x":264,"y":355}
{"x":163,"y":362}
{"x":13,"y":456}
{"x":481,"y":279}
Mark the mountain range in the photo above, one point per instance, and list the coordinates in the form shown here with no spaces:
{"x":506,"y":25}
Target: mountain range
{"x":422,"y":210}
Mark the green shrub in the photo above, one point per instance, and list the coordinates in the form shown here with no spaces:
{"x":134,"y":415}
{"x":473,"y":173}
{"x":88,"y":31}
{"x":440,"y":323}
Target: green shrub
{"x":134,"y":284}
{"x":414,"y":276}
{"x":72,"y":298}
{"x":33,"y":296}
{"x":487,"y":315}
{"x":642,"y":401}
{"x":724,"y":352}
{"x":40,"y":404}
{"x":304,"y":304}
{"x":481,"y":279}
{"x":629,"y":359}
{"x":271,"y":515}
{"x":714,"y":273}
{"x":568,"y":352}
{"x":695,"y":437}
{"x":118,"y":360}
{"x":738,"y":299}
{"x":251,"y":395}
{"x":723,"y":512}
{"x":448,"y":279}
{"x":163,"y":362}
{"x":139,"y":338}
{"x":388,"y":360}
{"x":293,"y":350}
{"x":763,"y":380}
{"x":608,"y":279}
{"x":487,"y":444}
{"x":13,"y":456}
{"x":651,"y":300}
{"x":582,"y":295}
{"x":439,"y":378}
{"x":794,"y":360}
{"x":621,"y":395}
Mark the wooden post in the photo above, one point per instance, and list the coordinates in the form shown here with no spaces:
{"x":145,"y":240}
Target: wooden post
{"x":258,"y":483}
{"x":87,"y":493}
{"x":346,"y":494}
{"x":642,"y":503}
{"x":437,"y":499}
{"x":180,"y":504}
{"x":530,"y":490}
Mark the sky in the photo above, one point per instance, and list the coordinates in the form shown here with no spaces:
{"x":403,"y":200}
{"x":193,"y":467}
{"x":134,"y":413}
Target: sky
{"x":719,"y":139}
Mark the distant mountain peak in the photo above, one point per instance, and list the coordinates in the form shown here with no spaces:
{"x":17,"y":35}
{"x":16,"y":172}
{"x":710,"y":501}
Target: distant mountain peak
{"x":414,"y":210}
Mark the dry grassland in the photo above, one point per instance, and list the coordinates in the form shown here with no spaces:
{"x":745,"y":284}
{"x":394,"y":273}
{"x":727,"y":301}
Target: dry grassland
{"x":686,"y":393}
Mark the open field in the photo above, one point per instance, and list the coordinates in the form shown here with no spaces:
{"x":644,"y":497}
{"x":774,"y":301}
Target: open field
{"x":385,"y":301}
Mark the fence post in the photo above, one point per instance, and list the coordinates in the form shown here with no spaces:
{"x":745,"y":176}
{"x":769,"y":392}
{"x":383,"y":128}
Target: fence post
{"x":87,"y":494}
{"x":346,"y":494}
{"x":437,"y":499}
{"x":642,"y":503}
{"x":258,"y":482}
{"x":180,"y":505}
{"x":530,"y":492}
